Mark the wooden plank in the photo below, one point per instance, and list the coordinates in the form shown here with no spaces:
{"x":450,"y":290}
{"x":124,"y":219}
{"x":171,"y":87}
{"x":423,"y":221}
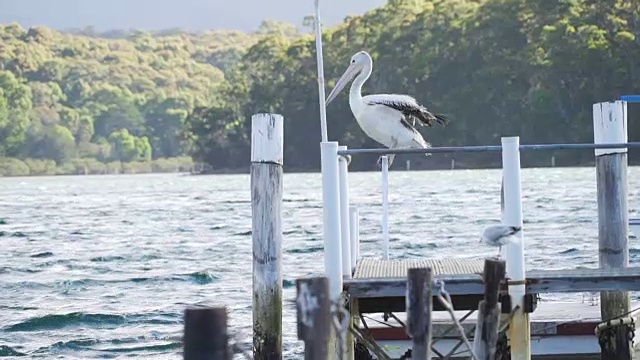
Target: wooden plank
{"x":541,"y":281}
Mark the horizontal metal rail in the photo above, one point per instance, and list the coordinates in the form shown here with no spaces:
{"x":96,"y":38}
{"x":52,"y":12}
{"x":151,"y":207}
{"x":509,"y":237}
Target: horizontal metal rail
{"x":540,"y":281}
{"x":484,"y":148}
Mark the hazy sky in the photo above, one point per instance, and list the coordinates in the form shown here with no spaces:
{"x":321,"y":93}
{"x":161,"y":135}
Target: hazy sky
{"x":161,"y":14}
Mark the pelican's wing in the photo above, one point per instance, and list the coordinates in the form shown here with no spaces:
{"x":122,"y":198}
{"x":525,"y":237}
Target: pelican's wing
{"x":408,"y":106}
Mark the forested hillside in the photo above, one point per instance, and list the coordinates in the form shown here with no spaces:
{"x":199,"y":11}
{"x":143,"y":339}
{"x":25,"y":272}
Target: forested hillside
{"x":495,"y":67}
{"x":87,"y":104}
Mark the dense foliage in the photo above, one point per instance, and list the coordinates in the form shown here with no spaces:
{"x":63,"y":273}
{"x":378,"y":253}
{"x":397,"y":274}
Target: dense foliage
{"x":496,"y":67}
{"x":95,"y":103}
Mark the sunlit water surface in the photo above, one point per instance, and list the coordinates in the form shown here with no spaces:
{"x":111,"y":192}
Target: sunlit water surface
{"x":103,"y":266}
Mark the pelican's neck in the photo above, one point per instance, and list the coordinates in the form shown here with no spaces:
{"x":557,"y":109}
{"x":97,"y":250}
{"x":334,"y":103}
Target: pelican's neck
{"x":355,"y":94}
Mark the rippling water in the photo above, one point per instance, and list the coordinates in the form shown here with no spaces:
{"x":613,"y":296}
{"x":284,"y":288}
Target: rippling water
{"x":103,"y":266}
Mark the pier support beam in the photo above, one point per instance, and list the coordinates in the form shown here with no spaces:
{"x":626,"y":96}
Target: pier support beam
{"x":610,"y":126}
{"x":519,"y":327}
{"x":267,"y":135}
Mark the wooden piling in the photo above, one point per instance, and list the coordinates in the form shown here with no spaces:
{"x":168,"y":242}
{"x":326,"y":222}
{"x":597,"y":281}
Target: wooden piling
{"x":419,"y":307}
{"x":610,"y":126}
{"x":266,"y":205}
{"x":486,"y":333}
{"x":313,"y":307}
{"x":205,"y":334}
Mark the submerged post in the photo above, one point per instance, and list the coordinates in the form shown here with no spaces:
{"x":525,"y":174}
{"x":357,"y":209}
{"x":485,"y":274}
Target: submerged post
{"x":266,"y":207}
{"x":486,"y":334}
{"x":519,"y":327}
{"x":331,"y":228}
{"x":385,"y":207}
{"x":419,"y":306}
{"x":610,"y":126}
{"x":314,"y":316}
{"x":345,"y":234}
{"x":205,"y":334}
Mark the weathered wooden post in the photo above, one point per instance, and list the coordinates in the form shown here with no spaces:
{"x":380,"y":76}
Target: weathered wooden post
{"x":419,"y":306}
{"x":314,"y":316}
{"x":205,"y":334}
{"x":610,"y":126}
{"x":519,"y":326}
{"x":486,"y":334}
{"x":266,"y":203}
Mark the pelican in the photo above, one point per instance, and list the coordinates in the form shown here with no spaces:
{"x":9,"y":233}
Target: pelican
{"x":384,"y":117}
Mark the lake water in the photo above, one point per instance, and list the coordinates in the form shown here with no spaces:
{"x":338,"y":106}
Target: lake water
{"x":103,"y":266}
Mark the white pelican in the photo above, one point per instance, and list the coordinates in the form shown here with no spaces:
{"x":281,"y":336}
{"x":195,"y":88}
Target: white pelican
{"x":384,"y":117}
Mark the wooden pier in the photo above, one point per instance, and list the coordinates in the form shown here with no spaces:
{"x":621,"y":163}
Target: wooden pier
{"x":379,"y":287}
{"x":359,"y":289}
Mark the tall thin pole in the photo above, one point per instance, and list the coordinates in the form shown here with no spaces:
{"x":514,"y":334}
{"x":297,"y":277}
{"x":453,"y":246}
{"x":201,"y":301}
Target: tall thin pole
{"x":321,"y":94}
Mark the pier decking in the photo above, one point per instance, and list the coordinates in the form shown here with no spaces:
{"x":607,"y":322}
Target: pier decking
{"x":378,"y":288}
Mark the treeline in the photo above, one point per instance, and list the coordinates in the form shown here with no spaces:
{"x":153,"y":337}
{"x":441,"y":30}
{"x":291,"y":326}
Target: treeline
{"x":112,"y":102}
{"x":496,"y":67}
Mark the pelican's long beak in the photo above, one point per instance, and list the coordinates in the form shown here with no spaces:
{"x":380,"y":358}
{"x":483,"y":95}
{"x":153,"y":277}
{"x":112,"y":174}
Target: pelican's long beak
{"x":349,"y":74}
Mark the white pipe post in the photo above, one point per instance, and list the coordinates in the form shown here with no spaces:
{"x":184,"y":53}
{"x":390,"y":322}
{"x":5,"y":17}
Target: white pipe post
{"x":345,"y":234}
{"x":610,"y":126}
{"x":267,"y":134}
{"x":354,"y":227}
{"x":331,"y":229}
{"x":385,"y":207}
{"x":519,"y":328}
{"x":321,"y":94}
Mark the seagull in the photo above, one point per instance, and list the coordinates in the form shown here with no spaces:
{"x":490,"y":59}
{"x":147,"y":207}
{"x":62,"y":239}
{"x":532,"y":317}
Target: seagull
{"x":499,"y":235}
{"x":389,"y":119}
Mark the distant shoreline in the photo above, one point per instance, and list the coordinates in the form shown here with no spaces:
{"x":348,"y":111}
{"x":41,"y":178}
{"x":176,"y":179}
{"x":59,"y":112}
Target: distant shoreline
{"x":246,"y":171}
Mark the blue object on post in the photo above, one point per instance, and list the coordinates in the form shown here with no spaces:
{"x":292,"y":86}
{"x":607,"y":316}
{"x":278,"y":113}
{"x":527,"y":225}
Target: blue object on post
{"x":630,"y":98}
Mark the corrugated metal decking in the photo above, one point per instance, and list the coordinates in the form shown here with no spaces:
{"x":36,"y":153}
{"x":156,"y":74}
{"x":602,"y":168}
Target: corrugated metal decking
{"x":397,"y":268}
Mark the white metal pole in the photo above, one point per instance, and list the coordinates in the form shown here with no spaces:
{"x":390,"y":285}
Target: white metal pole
{"x":385,"y":207}
{"x":331,"y":230}
{"x":331,"y":218}
{"x":519,"y":328}
{"x":321,"y":93}
{"x":267,"y":134}
{"x":344,"y":215}
{"x":354,"y":227}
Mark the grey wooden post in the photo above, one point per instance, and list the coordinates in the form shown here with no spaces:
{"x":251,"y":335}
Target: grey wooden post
{"x":205,"y":334}
{"x":610,"y":126}
{"x":419,"y":307}
{"x":266,"y":207}
{"x":313,"y":306}
{"x":486,"y":334}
